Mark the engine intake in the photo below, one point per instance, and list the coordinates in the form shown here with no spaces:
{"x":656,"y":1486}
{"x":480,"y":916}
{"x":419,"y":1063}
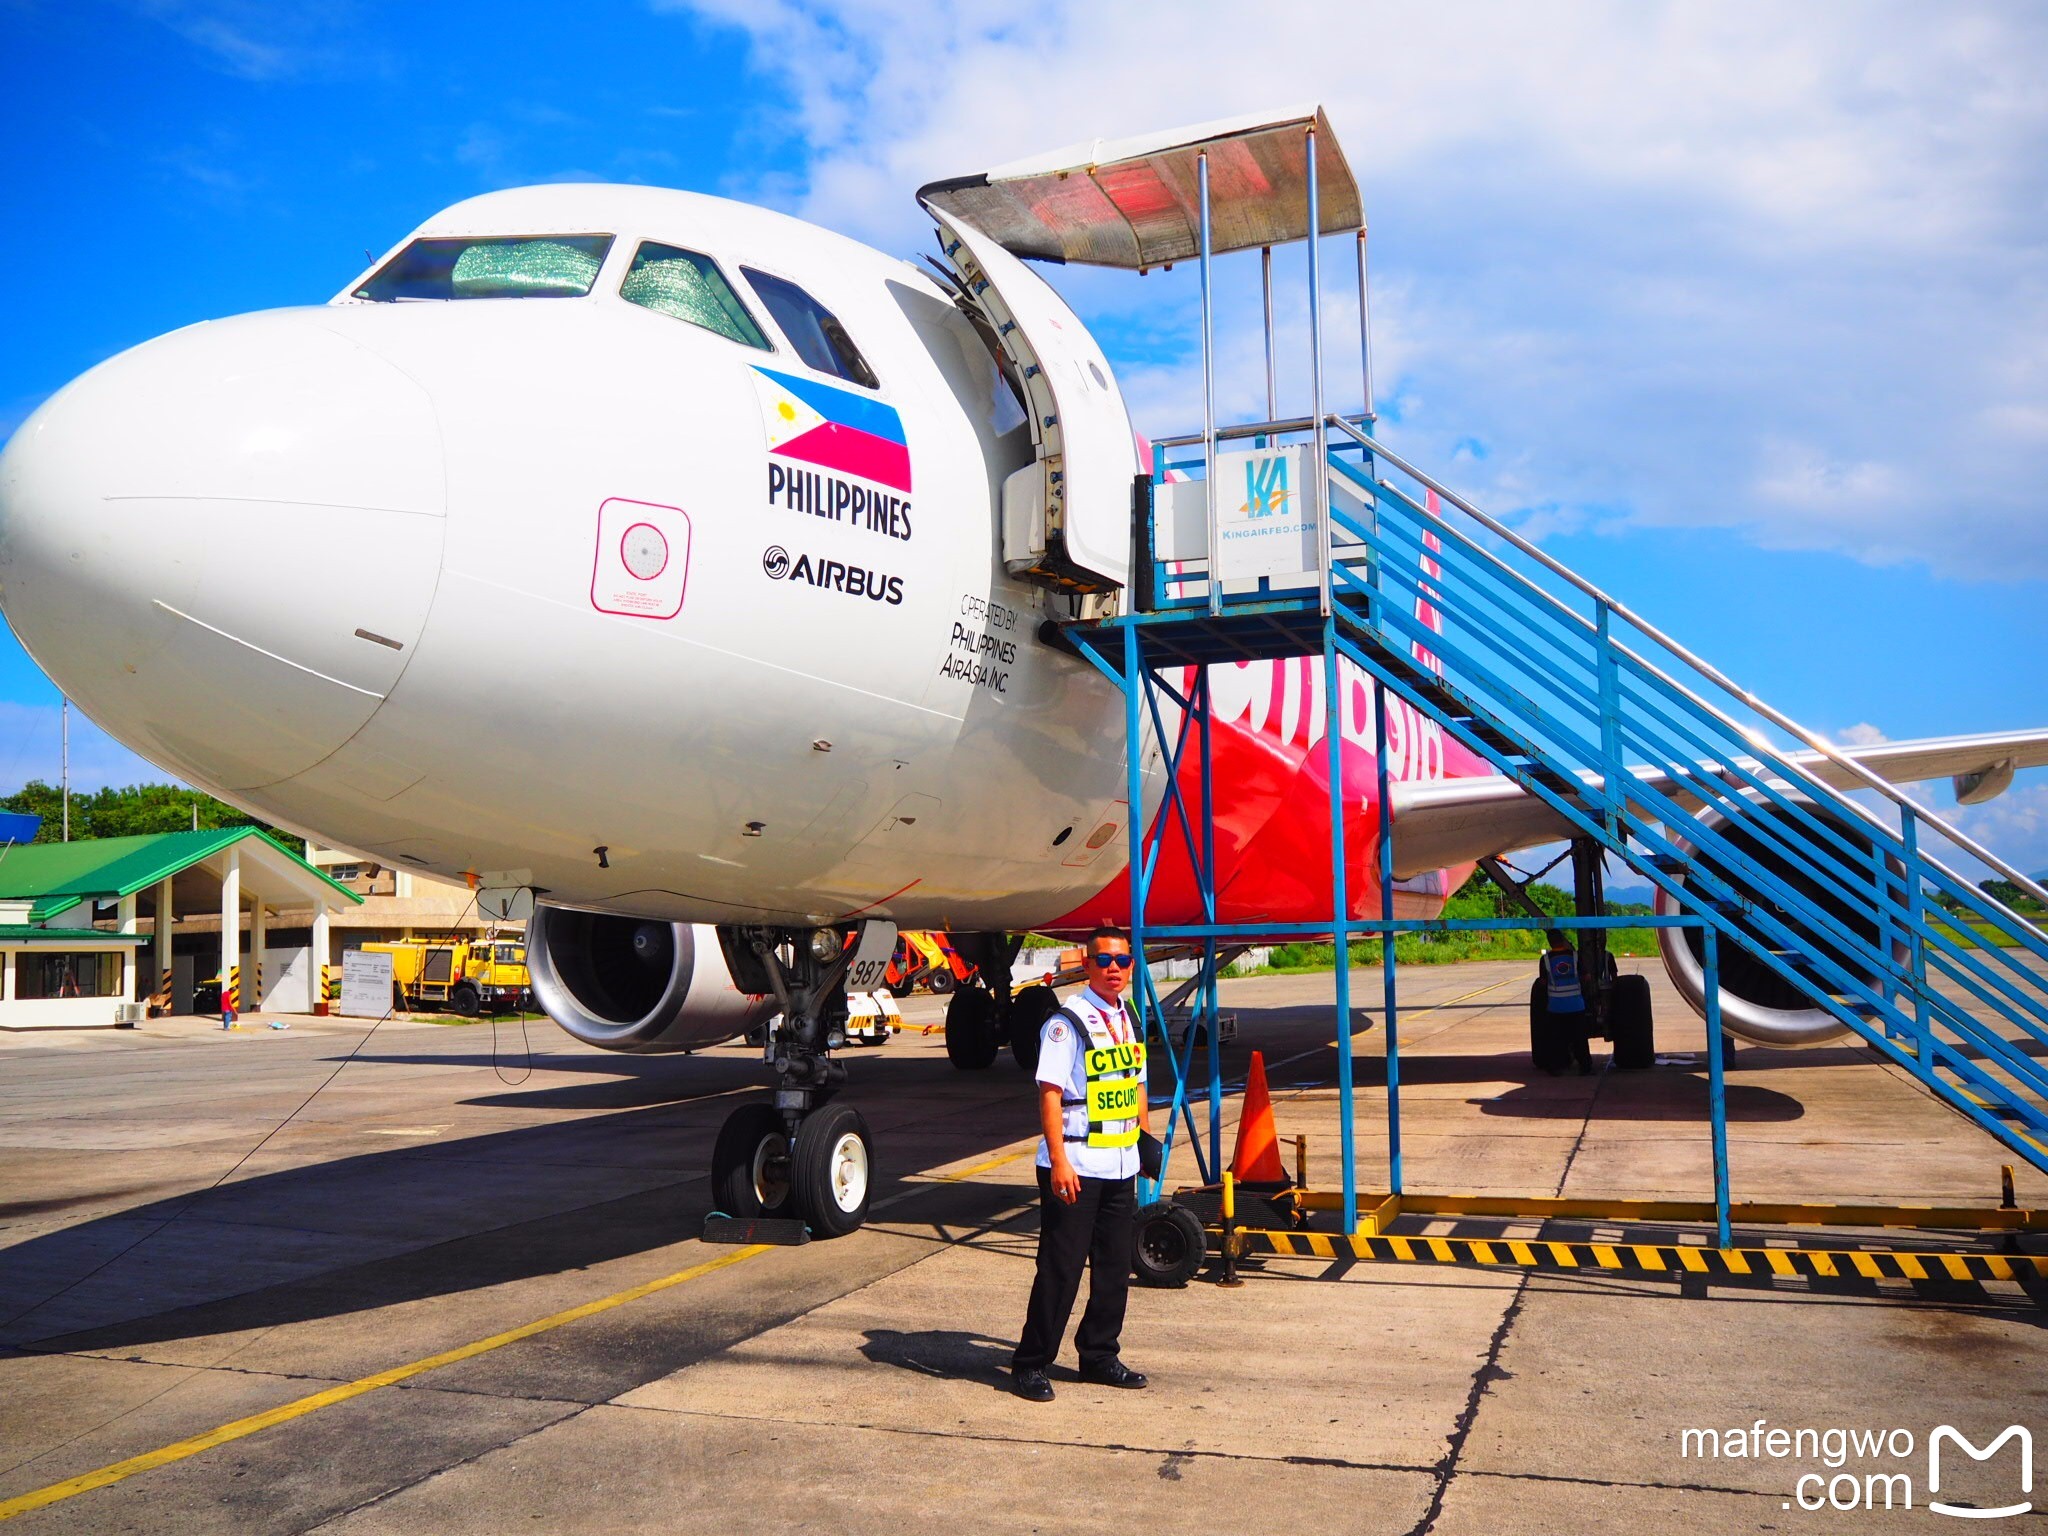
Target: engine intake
{"x":634,"y":984}
{"x":1757,"y":1003}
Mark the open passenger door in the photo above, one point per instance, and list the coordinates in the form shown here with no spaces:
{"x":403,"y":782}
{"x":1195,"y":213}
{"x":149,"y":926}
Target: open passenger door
{"x":1134,"y":204}
{"x":1066,"y":518}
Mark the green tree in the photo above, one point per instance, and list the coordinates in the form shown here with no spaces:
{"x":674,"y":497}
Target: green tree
{"x":133,"y":810}
{"x":2002,"y":890}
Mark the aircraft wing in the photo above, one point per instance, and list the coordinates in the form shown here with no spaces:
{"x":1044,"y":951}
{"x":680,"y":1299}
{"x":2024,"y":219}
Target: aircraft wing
{"x":1455,"y":821}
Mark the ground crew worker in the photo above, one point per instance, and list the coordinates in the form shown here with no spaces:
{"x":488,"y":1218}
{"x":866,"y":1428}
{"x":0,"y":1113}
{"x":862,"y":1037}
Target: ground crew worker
{"x":1564,"y":1007}
{"x":1092,"y":1109}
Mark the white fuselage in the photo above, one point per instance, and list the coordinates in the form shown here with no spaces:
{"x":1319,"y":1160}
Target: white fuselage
{"x":286,"y":555}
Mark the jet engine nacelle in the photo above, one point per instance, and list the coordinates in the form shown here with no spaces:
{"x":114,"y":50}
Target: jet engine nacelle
{"x":634,"y":984}
{"x":1757,"y":1003}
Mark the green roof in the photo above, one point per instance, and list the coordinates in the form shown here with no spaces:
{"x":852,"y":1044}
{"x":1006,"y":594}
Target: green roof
{"x":57,"y":876}
{"x":16,"y":933}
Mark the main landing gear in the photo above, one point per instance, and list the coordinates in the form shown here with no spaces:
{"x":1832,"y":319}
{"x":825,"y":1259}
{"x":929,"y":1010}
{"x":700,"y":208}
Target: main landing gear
{"x":803,"y":1155}
{"x":984,"y":1016}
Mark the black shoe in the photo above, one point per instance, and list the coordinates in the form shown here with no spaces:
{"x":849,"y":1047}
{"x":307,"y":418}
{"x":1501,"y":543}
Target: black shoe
{"x":1032,"y":1386}
{"x":1114,"y":1374}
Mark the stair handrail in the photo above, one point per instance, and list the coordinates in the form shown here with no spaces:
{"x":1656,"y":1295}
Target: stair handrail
{"x":1713,"y":674}
{"x":1762,"y":771}
{"x":1737,"y":774}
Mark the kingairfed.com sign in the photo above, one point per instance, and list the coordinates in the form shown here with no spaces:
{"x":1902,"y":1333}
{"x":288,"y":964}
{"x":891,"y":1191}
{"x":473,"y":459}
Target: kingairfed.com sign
{"x":1264,"y":514}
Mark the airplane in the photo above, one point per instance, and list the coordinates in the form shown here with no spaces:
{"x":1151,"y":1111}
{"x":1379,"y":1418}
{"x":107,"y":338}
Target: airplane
{"x":777,"y":534}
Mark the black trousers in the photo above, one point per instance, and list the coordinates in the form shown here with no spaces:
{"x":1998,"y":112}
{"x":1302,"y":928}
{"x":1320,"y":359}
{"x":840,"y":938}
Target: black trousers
{"x":1096,"y":1229}
{"x":1568,"y":1039}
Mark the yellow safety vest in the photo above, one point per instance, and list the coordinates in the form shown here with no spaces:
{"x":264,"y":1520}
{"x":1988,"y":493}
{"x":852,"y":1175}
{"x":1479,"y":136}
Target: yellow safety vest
{"x":1115,"y":1080}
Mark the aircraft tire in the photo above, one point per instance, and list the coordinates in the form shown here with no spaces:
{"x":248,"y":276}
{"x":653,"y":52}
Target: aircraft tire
{"x":750,"y":1163}
{"x":971,"y":1029}
{"x":1629,"y":1025}
{"x":831,"y":1170}
{"x":1546,"y":1052}
{"x":1168,"y":1246}
{"x":1029,"y":1010}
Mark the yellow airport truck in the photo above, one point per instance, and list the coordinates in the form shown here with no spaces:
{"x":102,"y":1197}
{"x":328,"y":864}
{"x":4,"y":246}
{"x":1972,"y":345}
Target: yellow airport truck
{"x":467,"y":976}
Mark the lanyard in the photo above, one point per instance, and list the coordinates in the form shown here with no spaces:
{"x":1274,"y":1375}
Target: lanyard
{"x":1116,"y":1022}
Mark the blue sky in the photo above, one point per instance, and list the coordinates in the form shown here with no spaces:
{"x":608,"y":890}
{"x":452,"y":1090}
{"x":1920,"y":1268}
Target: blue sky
{"x":1739,"y":308}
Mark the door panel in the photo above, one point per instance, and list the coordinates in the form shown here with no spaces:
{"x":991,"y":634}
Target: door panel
{"x":1079,"y":422}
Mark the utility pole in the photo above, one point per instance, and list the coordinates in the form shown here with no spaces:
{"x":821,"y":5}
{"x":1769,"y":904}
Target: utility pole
{"x":65,"y":775}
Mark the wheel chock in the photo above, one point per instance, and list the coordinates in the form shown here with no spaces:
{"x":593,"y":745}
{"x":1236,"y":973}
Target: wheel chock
{"x":782,"y":1231}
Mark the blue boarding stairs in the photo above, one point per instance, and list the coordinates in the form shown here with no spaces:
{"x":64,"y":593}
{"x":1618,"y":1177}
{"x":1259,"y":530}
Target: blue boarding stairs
{"x":1633,"y":742}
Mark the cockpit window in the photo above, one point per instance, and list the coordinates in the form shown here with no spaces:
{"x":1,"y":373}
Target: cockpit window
{"x":689,"y":287}
{"x":820,"y":340}
{"x":515,"y":267}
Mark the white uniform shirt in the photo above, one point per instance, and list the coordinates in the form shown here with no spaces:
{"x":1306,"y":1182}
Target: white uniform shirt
{"x":1062,"y":1063}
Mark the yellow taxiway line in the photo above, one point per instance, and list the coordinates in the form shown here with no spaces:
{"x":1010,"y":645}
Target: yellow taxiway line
{"x":240,"y":1429}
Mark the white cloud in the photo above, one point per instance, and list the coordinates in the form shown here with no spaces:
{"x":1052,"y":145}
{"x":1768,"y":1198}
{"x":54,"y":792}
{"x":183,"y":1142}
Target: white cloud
{"x":2014,"y":826}
{"x":1767,"y":268}
{"x":259,"y":40}
{"x":226,"y":34}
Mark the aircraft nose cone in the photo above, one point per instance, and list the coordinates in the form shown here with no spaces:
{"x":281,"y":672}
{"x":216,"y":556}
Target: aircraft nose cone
{"x":223,"y":543}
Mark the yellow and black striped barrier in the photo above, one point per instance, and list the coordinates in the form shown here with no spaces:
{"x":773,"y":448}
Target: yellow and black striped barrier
{"x":1377,"y":1212}
{"x":1645,"y":1258}
{"x":160,"y":999}
{"x":231,"y":994}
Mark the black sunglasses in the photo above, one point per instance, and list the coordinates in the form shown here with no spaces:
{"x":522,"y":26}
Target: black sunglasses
{"x":1119,"y":961}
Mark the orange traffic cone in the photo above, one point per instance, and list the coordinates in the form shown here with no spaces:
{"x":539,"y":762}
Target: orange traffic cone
{"x":1257,"y":1158}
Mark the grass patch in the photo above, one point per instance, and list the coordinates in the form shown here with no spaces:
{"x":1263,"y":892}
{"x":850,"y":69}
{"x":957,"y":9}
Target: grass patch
{"x":1445,"y":949}
{"x":1973,"y":934}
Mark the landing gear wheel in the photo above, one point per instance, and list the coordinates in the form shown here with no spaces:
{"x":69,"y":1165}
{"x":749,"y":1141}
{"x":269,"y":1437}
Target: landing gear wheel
{"x":1545,"y":1054}
{"x":1029,"y":1010}
{"x":943,"y":982}
{"x":1168,"y":1246}
{"x":971,"y":1029}
{"x":464,"y":1000}
{"x":1629,"y":1025}
{"x":750,"y":1163}
{"x":831,"y":1170}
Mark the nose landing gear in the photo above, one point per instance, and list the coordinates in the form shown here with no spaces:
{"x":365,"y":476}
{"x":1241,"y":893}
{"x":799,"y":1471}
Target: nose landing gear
{"x":803,"y":1155}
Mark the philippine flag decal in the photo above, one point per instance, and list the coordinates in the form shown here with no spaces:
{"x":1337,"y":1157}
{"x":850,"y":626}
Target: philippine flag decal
{"x":834,"y":429}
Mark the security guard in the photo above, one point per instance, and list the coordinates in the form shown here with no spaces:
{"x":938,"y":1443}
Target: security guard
{"x":1564,"y":1005}
{"x":1092,"y":1108}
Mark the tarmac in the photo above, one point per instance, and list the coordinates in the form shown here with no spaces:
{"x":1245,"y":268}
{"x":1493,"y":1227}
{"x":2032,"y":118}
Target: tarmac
{"x":174,"y":1264}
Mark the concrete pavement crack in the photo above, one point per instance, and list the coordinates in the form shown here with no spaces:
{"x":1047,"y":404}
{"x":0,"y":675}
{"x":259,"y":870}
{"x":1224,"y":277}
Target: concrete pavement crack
{"x":434,"y":1472}
{"x":1184,"y":1454}
{"x":1489,"y":1370}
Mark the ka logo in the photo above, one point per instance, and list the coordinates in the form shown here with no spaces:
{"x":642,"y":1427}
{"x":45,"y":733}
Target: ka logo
{"x":1265,"y":487}
{"x":1945,"y":1432}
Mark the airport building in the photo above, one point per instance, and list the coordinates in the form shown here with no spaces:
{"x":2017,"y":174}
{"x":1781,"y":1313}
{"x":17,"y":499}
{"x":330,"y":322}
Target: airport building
{"x":390,"y":903}
{"x":107,"y":930}
{"x":396,"y":903}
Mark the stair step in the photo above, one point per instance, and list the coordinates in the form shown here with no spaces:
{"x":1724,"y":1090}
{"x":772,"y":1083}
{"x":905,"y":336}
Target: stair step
{"x":1550,"y":778}
{"x":1506,"y":712}
{"x":1494,"y":737}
